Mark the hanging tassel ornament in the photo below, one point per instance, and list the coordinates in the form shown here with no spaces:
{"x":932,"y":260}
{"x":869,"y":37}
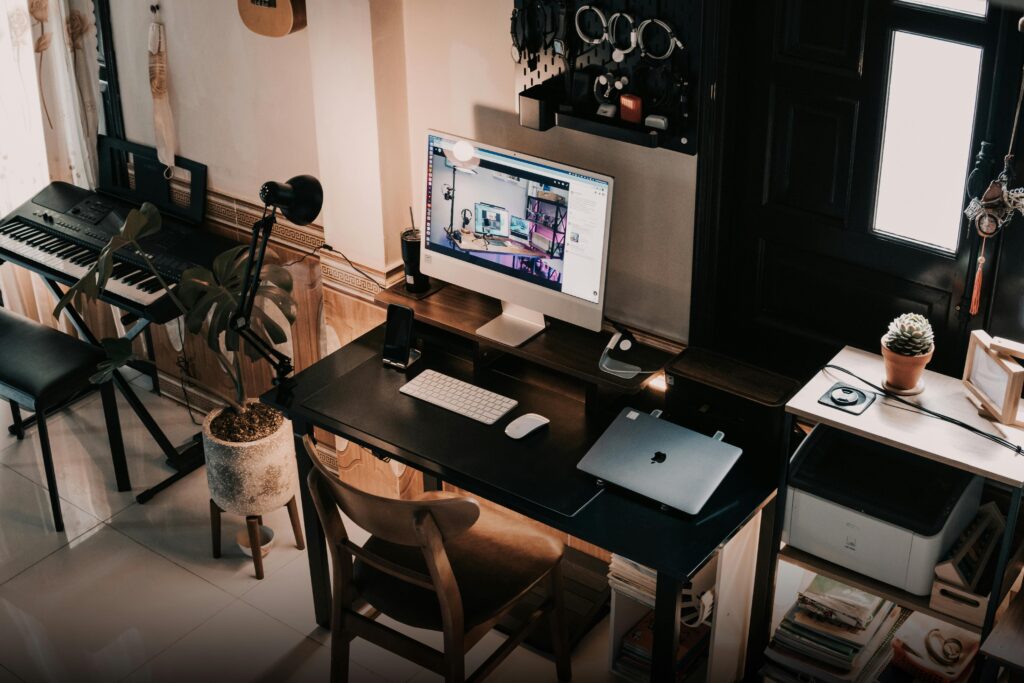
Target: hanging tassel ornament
{"x":996,"y":207}
{"x":976,"y":294}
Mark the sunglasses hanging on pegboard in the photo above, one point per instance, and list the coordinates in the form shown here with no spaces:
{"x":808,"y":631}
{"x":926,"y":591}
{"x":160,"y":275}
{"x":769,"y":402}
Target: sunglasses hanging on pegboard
{"x":623,"y":69}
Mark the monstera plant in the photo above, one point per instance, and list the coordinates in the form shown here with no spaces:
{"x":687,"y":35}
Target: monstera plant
{"x":207,"y":299}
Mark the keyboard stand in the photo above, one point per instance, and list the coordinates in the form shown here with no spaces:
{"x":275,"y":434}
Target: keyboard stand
{"x":185,"y":461}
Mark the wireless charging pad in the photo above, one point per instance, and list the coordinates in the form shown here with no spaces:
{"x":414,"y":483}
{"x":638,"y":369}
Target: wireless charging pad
{"x":847,"y":398}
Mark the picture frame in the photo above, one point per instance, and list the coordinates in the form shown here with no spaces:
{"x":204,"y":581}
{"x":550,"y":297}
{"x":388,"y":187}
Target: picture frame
{"x":994,"y":377}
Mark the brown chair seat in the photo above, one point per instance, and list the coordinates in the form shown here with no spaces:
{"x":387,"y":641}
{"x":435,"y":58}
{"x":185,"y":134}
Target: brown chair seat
{"x":494,"y":562}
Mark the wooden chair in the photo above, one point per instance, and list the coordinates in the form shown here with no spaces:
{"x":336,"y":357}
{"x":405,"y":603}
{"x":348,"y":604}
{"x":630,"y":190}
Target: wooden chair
{"x":438,"y":562}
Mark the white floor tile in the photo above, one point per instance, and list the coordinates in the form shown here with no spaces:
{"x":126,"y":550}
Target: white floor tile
{"x":98,"y":609}
{"x":286,"y":596}
{"x":176,"y":524}
{"x":81,"y":452}
{"x":7,"y":677}
{"x":589,"y":662}
{"x":242,"y":644}
{"x":27,"y":533}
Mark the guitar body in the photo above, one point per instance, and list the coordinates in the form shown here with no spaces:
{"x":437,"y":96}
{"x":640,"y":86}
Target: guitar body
{"x":273,"y":18}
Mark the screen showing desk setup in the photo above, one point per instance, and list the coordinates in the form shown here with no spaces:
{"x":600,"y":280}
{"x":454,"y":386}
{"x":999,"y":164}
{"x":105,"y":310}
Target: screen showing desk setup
{"x":531,"y":232}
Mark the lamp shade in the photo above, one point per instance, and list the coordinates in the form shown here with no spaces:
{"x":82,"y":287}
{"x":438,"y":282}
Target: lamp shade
{"x":299,"y":200}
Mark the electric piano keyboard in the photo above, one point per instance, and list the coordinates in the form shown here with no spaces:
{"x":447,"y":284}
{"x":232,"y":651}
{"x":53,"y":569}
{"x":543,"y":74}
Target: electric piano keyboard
{"x":60,"y":232}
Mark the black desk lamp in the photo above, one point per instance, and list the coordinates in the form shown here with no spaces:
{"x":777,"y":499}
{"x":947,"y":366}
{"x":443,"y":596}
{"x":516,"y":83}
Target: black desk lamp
{"x":299,"y":200}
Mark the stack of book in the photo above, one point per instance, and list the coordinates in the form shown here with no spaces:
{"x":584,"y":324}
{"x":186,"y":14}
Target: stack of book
{"x":634,"y":660}
{"x":633,"y":580}
{"x":833,"y":633}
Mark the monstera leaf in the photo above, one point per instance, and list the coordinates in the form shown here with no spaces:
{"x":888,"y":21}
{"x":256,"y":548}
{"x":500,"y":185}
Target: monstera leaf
{"x":139,"y":223}
{"x":211,"y":296}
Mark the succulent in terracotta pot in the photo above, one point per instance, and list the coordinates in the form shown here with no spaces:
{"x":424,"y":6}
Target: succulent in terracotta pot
{"x":907,"y":347}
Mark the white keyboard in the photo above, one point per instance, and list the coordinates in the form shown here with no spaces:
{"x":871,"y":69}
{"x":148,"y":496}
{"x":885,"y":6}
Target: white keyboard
{"x":458,"y":396}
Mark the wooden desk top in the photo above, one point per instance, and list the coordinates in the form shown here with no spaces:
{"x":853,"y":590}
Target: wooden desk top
{"x":735,"y":377}
{"x":891,"y":423}
{"x":566,"y":348}
{"x":363,"y":405}
{"x":473,"y":242}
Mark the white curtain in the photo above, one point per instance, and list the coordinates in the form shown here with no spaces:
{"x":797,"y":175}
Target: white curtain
{"x":49,"y":117}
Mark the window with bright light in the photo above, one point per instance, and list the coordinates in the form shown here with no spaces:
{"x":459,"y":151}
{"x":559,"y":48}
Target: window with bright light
{"x":975,"y":8}
{"x":926,"y":147}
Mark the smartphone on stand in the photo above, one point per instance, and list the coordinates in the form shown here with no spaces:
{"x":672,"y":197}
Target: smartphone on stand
{"x":398,"y":338}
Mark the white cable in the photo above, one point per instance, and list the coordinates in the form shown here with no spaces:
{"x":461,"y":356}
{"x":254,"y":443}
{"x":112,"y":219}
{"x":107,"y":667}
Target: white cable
{"x":618,"y":53}
{"x":673,"y":41}
{"x":590,"y":40}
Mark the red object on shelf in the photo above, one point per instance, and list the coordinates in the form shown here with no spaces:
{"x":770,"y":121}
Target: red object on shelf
{"x":631,"y":108}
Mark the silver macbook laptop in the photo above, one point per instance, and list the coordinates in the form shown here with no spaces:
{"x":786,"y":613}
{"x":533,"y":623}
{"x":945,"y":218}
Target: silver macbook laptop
{"x":660,"y":460}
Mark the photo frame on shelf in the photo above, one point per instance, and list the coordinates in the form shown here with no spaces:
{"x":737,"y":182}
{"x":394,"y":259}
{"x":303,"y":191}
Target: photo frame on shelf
{"x":994,"y":377}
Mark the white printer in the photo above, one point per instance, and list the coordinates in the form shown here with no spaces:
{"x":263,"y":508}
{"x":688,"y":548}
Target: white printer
{"x":876,"y":510}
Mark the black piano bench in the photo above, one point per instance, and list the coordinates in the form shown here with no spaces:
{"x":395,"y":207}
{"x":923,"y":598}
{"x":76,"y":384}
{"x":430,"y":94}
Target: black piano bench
{"x":40,"y":368}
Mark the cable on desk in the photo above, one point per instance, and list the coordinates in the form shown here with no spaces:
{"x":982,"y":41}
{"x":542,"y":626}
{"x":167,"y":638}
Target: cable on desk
{"x":879,"y":391}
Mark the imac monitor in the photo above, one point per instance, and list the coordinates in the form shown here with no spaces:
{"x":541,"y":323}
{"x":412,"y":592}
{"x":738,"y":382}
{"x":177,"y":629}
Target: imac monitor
{"x":559,"y":215}
{"x":491,"y":221}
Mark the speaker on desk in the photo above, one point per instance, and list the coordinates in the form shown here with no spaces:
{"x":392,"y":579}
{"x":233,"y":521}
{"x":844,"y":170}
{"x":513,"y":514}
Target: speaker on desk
{"x":415,"y":281}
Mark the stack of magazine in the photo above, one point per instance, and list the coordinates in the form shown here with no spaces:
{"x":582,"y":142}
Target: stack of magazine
{"x":632,"y":579}
{"x":634,"y":660}
{"x":833,"y":633}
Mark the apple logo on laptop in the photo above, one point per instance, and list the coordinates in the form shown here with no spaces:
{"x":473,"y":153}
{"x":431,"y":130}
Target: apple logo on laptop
{"x":659,"y":457}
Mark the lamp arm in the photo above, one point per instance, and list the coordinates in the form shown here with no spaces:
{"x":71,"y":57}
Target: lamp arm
{"x":281,"y":363}
{"x":240,"y":322}
{"x":254,"y":266}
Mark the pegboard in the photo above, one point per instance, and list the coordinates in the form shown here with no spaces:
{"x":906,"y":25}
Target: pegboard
{"x":684,"y":16}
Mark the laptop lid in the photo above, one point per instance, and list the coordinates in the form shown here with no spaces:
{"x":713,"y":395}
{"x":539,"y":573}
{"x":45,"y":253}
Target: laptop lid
{"x":672,"y":465}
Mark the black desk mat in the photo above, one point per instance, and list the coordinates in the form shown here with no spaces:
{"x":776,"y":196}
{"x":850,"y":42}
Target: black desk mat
{"x":539,"y":469}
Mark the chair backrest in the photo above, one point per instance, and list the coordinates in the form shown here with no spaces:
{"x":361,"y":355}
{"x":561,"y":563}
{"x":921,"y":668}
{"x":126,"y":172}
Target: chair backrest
{"x":395,"y":520}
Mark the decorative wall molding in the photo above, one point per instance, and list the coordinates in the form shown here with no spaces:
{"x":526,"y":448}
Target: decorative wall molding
{"x":340,"y":276}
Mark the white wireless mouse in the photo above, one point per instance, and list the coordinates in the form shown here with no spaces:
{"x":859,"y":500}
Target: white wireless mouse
{"x":525,"y":424}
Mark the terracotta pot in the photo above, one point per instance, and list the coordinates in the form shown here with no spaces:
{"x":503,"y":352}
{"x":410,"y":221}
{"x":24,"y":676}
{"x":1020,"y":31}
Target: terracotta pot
{"x":904,"y":372}
{"x":254,"y":477}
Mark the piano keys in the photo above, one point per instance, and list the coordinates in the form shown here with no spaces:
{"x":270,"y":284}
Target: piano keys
{"x":60,"y":232}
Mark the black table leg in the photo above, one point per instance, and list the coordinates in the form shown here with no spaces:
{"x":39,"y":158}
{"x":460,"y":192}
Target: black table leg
{"x":991,"y":668}
{"x":667,"y":603}
{"x":316,"y":545}
{"x":758,"y":634}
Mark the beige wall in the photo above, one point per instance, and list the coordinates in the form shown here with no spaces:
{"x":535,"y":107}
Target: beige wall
{"x":351,"y":99}
{"x":461,"y":80}
{"x":242,"y":102}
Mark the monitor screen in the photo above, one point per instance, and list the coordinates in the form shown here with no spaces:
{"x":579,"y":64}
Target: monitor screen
{"x":539,"y":223}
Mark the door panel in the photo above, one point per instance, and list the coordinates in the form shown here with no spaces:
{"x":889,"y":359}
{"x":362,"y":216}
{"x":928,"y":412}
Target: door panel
{"x":842,"y":306}
{"x":811,"y":140}
{"x":800,"y":271}
{"x":823,"y":34}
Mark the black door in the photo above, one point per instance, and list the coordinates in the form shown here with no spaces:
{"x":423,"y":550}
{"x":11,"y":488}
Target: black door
{"x":801,"y":266}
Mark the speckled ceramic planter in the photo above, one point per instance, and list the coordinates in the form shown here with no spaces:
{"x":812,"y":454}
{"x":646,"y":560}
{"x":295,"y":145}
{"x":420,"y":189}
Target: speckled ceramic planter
{"x":251,"y":478}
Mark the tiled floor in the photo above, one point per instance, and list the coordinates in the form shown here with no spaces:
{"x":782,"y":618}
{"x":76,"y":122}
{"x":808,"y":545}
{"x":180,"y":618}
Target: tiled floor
{"x":130,"y":592}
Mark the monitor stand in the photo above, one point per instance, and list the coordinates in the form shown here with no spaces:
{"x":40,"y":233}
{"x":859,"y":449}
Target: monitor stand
{"x":515,"y":326}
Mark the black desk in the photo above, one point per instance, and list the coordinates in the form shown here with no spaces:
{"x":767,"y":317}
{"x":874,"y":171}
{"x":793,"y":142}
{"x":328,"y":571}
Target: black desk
{"x":524,"y":476}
